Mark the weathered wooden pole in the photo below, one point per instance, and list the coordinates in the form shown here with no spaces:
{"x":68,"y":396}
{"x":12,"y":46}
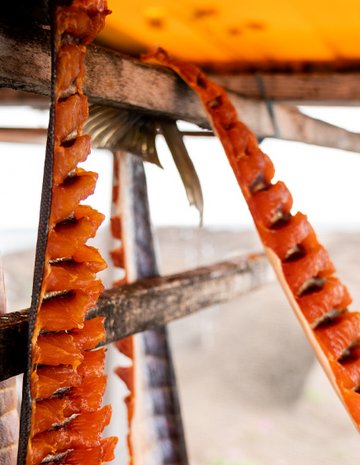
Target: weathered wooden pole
{"x":147,"y":303}
{"x":153,"y":365}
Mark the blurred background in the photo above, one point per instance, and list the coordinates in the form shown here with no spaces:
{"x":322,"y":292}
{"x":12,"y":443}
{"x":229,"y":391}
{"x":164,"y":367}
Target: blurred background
{"x":251,"y":390}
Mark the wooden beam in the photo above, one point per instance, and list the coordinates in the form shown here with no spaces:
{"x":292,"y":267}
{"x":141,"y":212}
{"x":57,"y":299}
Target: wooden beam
{"x":112,"y":79}
{"x":293,"y":126}
{"x":148,"y":303}
{"x":337,"y":88}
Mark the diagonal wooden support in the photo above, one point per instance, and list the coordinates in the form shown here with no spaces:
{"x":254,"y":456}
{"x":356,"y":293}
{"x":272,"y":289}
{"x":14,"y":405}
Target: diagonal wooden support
{"x":148,"y":303}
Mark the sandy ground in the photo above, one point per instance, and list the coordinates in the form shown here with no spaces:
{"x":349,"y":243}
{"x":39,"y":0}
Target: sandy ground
{"x":251,"y":390}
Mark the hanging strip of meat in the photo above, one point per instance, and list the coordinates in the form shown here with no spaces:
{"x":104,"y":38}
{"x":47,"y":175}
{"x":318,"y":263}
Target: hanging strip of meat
{"x":125,"y":346}
{"x":62,"y":418}
{"x":303,"y":266}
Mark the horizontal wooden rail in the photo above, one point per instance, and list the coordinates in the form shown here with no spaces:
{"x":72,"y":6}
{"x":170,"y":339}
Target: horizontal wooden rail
{"x":313,"y":88}
{"x":146,"y":304}
{"x":112,"y":79}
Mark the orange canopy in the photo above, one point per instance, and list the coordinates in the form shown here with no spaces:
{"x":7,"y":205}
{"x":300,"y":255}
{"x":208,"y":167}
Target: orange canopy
{"x":257,"y":34}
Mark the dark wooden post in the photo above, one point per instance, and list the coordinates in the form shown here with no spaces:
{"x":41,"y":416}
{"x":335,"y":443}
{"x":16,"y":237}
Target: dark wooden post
{"x":156,"y":352}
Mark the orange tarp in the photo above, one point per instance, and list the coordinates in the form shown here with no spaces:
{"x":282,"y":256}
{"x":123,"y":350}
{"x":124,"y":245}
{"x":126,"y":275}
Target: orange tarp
{"x":239,"y":34}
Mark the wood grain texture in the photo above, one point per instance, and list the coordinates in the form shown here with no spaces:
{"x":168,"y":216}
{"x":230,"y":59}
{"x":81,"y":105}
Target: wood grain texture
{"x":148,"y":303}
{"x":112,"y":79}
{"x":305,"y":88}
{"x":154,"y":302}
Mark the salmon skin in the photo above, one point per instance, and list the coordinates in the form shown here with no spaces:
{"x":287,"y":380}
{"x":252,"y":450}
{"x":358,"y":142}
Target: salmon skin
{"x":61,"y":414}
{"x":156,"y":435}
{"x":302,"y":264}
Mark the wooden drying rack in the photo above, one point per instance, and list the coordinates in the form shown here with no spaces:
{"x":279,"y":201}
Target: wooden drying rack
{"x":148,"y":303}
{"x":112,"y":79}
